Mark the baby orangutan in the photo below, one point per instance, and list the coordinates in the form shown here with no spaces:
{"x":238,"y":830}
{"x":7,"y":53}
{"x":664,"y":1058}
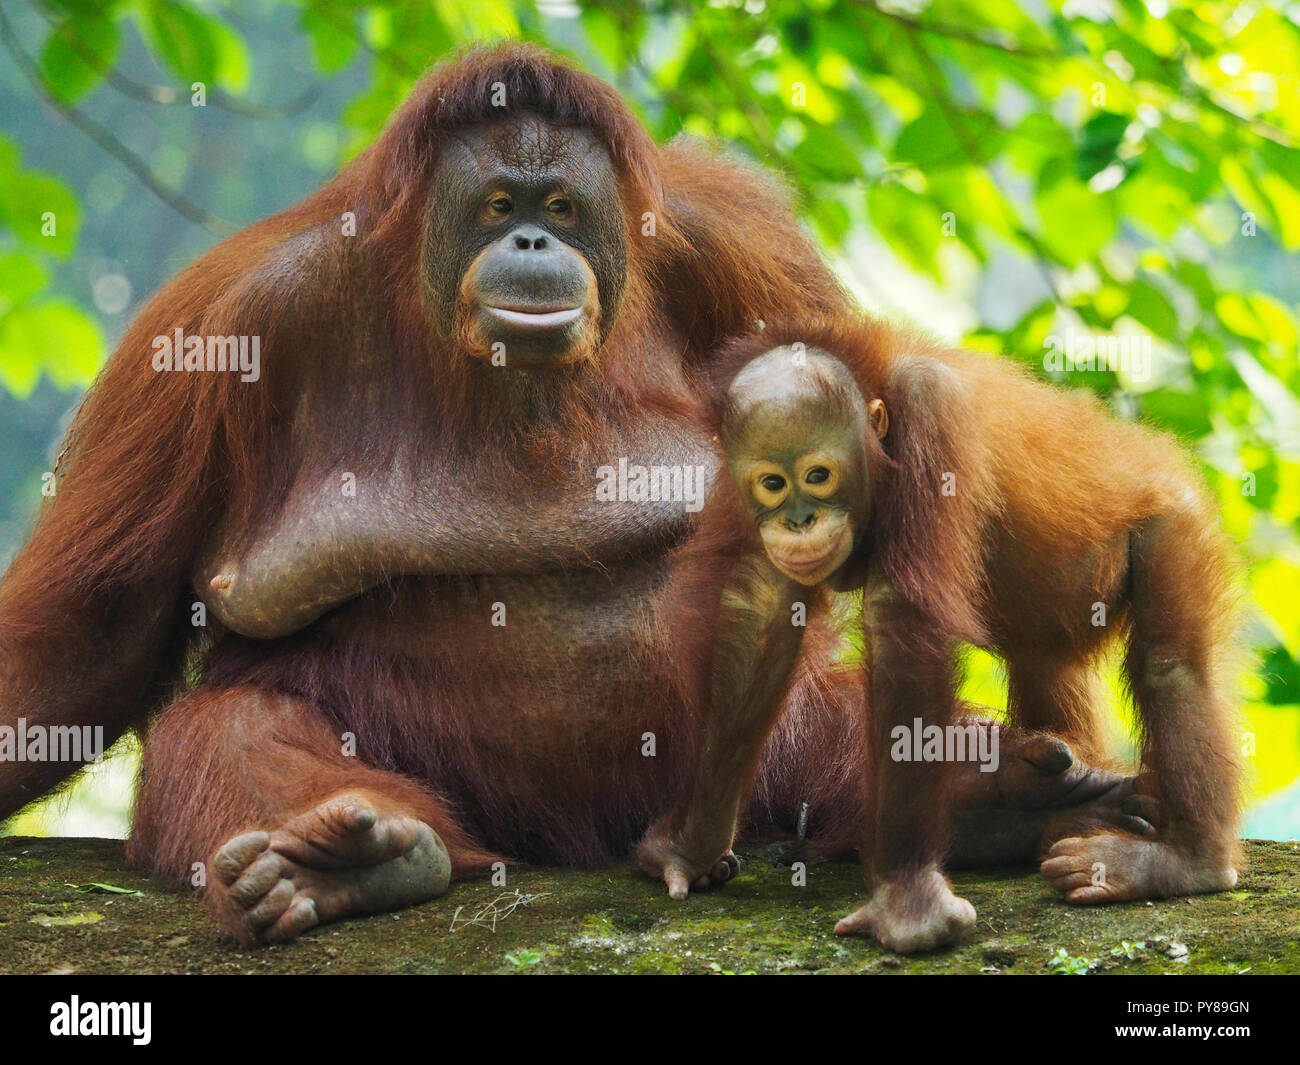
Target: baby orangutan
{"x":973,"y":504}
{"x":802,"y":447}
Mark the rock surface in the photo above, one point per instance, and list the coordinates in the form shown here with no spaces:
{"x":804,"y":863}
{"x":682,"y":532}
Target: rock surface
{"x":616,"y":921}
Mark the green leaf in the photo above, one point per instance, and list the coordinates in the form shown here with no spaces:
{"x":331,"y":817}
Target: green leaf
{"x":1039,"y":137}
{"x":1256,"y":317}
{"x":1196,"y":278}
{"x":106,"y":889}
{"x":605,"y":36}
{"x":233,"y":67}
{"x":57,"y":337}
{"x":798,"y":33}
{"x":832,"y":220}
{"x":1279,"y":179}
{"x":29,"y":196}
{"x":20,"y":368}
{"x":1151,"y":307}
{"x":21,"y":277}
{"x":77,"y":55}
{"x":181,"y":39}
{"x":1184,"y":413}
{"x":1076,"y":222}
{"x":1098,"y":141}
{"x":1244,"y":185}
{"x":940,"y":138}
{"x":333,"y":47}
{"x":1281,"y":674}
{"x":909,"y":223}
{"x":826,"y":154}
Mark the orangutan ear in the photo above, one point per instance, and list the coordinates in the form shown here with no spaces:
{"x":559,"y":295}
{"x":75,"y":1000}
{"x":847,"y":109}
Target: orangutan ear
{"x":878,"y":417}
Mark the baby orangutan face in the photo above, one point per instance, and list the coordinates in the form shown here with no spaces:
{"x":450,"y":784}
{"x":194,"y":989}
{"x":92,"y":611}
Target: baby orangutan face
{"x":795,"y":434}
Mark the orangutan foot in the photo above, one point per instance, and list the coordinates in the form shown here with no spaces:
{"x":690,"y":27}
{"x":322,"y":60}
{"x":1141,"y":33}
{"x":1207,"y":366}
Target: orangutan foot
{"x":910,"y":914}
{"x":1107,"y":867}
{"x":1040,"y":792}
{"x":342,"y":857}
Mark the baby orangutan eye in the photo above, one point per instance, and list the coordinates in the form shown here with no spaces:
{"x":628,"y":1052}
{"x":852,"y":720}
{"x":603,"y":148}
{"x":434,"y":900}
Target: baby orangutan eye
{"x":500,"y":206}
{"x":769,"y":487}
{"x":821,"y":480}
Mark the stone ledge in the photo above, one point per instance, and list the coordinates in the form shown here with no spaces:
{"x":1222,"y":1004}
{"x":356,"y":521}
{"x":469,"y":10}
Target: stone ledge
{"x":614,"y":921}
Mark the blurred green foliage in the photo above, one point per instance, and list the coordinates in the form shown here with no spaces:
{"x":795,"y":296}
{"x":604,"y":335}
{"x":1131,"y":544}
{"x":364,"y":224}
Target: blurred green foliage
{"x":1102,"y":167}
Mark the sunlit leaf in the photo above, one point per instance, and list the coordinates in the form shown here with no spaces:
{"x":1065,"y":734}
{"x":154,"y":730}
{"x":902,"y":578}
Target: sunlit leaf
{"x":77,"y":54}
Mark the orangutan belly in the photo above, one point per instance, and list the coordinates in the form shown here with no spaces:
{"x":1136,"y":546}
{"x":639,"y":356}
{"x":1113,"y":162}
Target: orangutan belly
{"x":548,"y":705}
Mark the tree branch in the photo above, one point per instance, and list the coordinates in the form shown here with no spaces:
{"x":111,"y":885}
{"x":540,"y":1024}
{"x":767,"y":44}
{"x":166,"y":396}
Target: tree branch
{"x":167,"y":94}
{"x":173,"y":199}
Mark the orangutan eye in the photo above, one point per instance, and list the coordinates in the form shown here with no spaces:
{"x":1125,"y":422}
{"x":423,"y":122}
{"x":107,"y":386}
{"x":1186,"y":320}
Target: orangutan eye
{"x":500,"y":206}
{"x":821,"y":479}
{"x":559,"y":206}
{"x":768,"y":486}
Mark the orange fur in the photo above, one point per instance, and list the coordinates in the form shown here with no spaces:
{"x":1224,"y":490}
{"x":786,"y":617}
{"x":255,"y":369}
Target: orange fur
{"x":1056,"y":508}
{"x":529,"y":749}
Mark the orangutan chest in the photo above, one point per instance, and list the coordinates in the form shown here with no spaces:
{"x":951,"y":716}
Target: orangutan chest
{"x":337,"y":537}
{"x":563,"y":626}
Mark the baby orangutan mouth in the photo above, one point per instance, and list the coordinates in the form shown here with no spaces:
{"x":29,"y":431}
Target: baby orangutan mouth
{"x":811,"y":556}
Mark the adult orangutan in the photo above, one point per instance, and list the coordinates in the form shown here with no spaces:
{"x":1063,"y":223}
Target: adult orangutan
{"x":438,"y":641}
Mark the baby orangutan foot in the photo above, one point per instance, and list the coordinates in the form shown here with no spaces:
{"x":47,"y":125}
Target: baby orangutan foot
{"x":342,"y":857}
{"x":910,"y":914}
{"x":1107,"y":867}
{"x":681,"y":866}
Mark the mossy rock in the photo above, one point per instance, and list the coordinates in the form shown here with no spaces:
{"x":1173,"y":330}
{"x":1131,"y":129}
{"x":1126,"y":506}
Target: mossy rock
{"x":59,"y":913}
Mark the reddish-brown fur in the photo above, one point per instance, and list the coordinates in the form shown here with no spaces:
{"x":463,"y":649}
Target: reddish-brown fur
{"x":522,"y":741}
{"x":94,"y":612}
{"x":1057,"y":506}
